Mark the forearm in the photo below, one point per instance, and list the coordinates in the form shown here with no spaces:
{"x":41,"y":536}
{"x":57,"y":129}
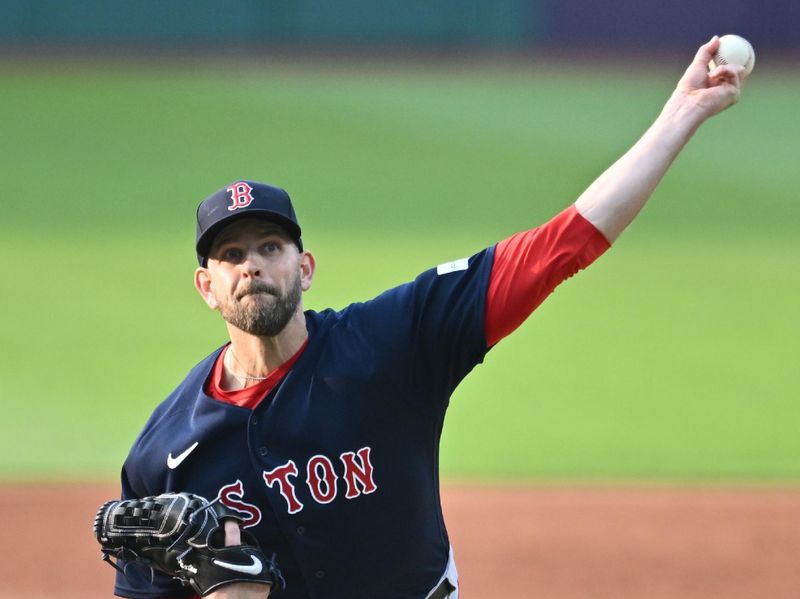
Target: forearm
{"x":617,"y":196}
{"x":614,"y":199}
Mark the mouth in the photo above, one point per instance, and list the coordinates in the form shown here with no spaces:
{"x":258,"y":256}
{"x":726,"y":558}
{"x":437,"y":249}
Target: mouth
{"x":255,"y":293}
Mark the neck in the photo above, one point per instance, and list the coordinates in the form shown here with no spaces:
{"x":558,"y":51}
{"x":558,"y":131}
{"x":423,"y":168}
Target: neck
{"x":257,"y":357}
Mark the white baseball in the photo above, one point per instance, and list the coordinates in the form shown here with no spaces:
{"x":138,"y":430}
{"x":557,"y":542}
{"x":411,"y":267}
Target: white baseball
{"x":734,"y":49}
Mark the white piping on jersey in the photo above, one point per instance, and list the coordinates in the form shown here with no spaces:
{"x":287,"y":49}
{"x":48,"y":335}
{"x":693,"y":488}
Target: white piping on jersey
{"x":451,"y":574}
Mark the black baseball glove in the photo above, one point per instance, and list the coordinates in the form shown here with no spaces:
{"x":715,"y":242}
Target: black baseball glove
{"x":181,"y":535}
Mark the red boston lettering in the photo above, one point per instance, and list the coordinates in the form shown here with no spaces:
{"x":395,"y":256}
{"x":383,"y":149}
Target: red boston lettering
{"x":321,"y":478}
{"x":281,"y":475}
{"x":320,"y":474}
{"x":356,"y":474}
{"x":231,"y":495}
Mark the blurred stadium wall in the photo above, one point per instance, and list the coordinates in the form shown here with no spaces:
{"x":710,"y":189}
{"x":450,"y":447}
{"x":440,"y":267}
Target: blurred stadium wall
{"x":434,"y":24}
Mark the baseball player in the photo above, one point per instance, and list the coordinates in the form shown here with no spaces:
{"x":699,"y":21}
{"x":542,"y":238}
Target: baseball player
{"x":321,"y":429}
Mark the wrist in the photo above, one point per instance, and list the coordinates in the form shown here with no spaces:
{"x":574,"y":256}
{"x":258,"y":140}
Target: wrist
{"x":681,"y":116}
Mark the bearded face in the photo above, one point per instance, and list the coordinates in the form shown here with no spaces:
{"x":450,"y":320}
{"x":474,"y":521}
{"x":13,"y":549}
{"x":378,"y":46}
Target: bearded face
{"x":261,"y":309}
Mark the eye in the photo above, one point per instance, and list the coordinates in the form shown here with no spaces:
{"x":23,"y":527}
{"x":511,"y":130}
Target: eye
{"x":232,"y":254}
{"x":270,"y":247}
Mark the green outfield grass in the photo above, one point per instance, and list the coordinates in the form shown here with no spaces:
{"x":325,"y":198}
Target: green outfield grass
{"x":673,"y":358}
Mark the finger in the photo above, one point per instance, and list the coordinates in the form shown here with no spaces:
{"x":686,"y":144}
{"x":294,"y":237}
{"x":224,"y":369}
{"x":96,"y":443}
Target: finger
{"x":706,"y":52}
{"x":732,"y":74}
{"x":723,"y":92}
{"x":233,"y":536}
{"x":696,"y":75}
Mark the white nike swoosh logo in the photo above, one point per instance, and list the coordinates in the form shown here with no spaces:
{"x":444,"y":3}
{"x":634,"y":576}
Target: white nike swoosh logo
{"x":253,"y":569}
{"x":173,"y":463}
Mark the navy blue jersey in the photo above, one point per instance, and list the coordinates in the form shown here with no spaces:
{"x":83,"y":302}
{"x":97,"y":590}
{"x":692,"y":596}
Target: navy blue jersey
{"x":337,"y":468}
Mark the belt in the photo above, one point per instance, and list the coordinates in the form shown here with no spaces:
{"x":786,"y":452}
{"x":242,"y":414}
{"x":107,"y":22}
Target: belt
{"x":442,"y":591}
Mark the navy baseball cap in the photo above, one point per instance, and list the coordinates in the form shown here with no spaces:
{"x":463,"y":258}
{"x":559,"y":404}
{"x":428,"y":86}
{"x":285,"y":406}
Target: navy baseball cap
{"x":239,"y":200}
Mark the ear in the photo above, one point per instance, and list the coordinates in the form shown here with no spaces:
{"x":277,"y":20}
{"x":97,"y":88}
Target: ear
{"x":202,"y":282}
{"x":308,"y":266}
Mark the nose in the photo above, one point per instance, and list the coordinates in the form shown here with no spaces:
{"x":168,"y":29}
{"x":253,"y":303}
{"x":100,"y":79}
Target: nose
{"x":251,"y":266}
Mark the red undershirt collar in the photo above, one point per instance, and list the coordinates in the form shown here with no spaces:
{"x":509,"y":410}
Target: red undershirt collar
{"x":249,"y":397}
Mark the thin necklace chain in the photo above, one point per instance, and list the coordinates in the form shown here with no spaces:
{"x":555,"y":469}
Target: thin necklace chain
{"x":242,"y":376}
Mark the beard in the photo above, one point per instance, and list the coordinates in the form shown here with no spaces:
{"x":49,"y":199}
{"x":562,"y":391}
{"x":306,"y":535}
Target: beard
{"x":268,"y":314}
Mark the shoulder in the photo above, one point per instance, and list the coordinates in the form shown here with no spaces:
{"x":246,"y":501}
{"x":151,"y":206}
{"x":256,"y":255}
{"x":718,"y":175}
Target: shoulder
{"x":168,"y":419}
{"x":187,"y":391}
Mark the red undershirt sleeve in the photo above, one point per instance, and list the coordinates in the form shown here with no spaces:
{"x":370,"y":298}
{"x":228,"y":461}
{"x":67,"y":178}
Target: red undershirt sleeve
{"x":528,"y":266}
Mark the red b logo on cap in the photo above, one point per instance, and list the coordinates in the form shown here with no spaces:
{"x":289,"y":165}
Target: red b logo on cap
{"x":240,"y":195}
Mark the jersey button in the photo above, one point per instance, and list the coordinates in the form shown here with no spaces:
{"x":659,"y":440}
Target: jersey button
{"x":254,"y":420}
{"x":320,"y":574}
{"x":301,"y":530}
{"x":263,"y":450}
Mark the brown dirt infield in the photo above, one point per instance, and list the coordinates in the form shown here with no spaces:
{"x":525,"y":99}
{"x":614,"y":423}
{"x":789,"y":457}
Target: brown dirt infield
{"x":510,"y":542}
